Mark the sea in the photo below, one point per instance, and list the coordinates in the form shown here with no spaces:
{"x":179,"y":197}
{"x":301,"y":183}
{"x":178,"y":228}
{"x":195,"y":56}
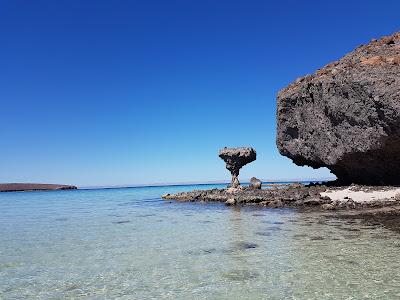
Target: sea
{"x":128,"y":243}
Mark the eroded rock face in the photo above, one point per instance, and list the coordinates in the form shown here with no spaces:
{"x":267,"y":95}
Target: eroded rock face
{"x":346,"y":116}
{"x":235,"y":159}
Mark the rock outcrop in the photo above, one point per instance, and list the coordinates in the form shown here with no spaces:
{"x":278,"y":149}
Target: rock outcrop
{"x":299,"y":196}
{"x":346,"y":116}
{"x":235,"y":159}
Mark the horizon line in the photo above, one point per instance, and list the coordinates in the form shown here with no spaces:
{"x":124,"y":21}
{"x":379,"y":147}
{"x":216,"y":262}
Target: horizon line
{"x":156,"y":184}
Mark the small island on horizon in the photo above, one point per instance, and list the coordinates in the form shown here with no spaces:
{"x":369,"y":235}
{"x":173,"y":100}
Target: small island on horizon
{"x":25,"y":187}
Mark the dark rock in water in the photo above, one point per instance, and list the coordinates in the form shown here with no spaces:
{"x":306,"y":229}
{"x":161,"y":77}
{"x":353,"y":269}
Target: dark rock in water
{"x":255,"y":183}
{"x":235,"y":159}
{"x":121,"y":222}
{"x":274,"y":228}
{"x":240,"y":275}
{"x":346,"y":116}
{"x":245,"y":245}
{"x":202,"y":251}
{"x":230,"y":201}
{"x":258,"y":215}
{"x":263,"y":233}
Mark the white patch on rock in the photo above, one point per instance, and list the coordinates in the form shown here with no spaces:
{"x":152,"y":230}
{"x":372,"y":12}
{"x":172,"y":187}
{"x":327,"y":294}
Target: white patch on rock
{"x":361,"y":196}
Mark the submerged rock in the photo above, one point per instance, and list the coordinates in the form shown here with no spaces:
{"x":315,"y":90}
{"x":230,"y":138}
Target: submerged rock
{"x":235,"y":159}
{"x":346,"y":116}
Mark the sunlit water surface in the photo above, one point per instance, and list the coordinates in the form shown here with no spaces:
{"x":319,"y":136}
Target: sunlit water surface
{"x":130,"y":244}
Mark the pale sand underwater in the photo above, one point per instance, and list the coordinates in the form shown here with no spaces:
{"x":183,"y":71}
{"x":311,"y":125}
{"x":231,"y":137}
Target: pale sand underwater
{"x":130,"y":244}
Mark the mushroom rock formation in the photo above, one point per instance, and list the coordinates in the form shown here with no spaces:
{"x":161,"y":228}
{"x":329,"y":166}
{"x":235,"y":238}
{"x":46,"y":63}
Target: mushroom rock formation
{"x":235,"y":159}
{"x":346,"y":116}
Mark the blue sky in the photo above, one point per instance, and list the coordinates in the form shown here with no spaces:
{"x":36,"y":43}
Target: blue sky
{"x":127,"y":92}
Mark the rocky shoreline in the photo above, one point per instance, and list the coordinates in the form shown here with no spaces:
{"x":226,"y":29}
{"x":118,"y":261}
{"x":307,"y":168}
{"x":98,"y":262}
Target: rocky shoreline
{"x":315,"y":196}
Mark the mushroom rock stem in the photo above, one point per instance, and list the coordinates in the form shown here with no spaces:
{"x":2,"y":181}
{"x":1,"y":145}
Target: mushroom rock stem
{"x":235,"y":180}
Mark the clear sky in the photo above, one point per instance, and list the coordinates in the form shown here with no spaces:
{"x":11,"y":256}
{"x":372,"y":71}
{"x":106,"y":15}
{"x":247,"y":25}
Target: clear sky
{"x":127,"y":92}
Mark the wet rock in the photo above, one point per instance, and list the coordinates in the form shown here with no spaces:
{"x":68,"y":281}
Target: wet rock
{"x":328,"y":206}
{"x":235,"y":159}
{"x":276,"y":203}
{"x":263,"y":233}
{"x":274,"y":228}
{"x":258,"y":215}
{"x":313,"y":201}
{"x":202,"y":251}
{"x":299,"y":236}
{"x":121,"y":222}
{"x":255,"y":183}
{"x":346,"y":116}
{"x":286,"y":196}
{"x":240,"y":275}
{"x":245,"y":245}
{"x":230,"y":201}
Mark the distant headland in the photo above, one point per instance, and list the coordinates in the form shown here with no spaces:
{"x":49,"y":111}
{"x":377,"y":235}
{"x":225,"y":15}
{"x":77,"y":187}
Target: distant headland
{"x":24,"y":187}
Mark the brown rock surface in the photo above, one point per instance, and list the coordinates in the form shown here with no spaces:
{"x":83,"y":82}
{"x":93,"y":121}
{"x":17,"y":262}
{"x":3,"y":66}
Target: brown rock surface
{"x":346,"y":116}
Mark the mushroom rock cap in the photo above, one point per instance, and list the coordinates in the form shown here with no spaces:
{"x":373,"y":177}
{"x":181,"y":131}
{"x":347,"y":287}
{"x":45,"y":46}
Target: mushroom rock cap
{"x":235,"y":158}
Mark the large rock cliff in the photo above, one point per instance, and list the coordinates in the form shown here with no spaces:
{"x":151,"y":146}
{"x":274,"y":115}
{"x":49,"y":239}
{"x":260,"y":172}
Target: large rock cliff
{"x":346,"y":116}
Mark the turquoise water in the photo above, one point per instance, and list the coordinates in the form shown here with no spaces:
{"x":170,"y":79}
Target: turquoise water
{"x":130,"y":244}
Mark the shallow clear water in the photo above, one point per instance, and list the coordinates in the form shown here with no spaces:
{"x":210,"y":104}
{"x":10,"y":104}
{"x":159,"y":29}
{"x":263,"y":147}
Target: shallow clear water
{"x":130,"y":244}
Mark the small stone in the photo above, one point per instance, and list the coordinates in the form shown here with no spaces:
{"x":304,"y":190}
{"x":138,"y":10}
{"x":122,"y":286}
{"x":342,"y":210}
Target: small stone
{"x":328,"y":206}
{"x":312,"y":201}
{"x":255,"y":183}
{"x":230,"y":201}
{"x":296,"y":185}
{"x":232,"y":190}
{"x":276,"y":204}
{"x":390,"y":42}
